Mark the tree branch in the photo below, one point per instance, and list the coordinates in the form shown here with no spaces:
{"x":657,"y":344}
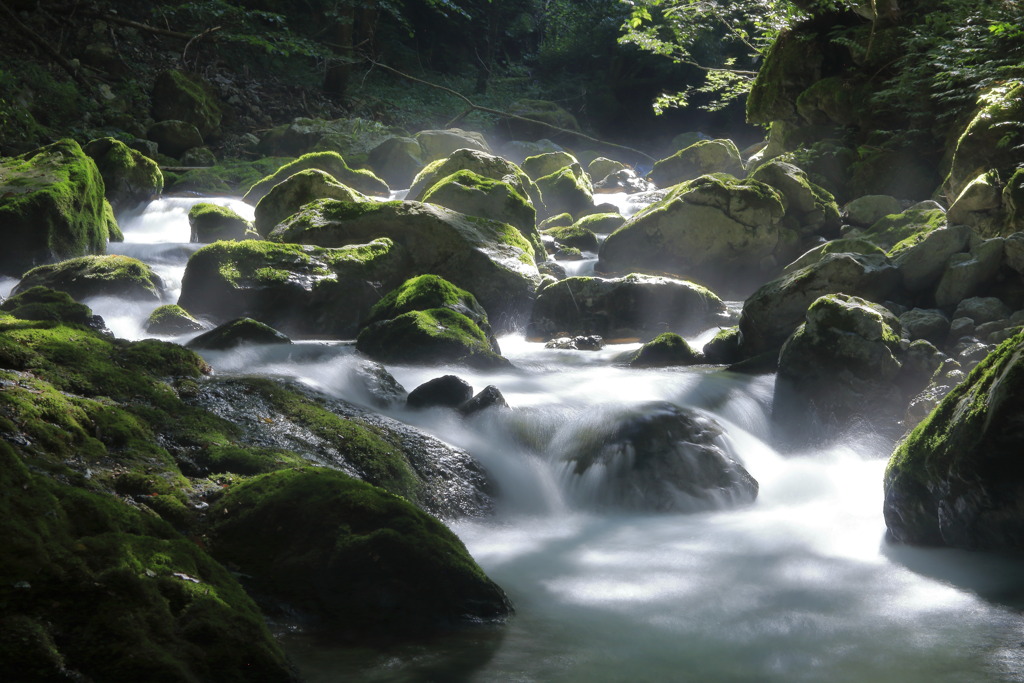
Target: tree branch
{"x":497,"y":112}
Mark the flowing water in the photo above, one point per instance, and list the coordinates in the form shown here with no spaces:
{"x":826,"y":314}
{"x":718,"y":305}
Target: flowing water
{"x":799,"y":586}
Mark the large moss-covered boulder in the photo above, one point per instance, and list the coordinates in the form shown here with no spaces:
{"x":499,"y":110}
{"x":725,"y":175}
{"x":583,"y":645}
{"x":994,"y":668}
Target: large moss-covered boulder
{"x":490,"y":259}
{"x":475,"y":195}
{"x":52,"y":207}
{"x":329,"y":162}
{"x":213,"y":222}
{"x":298,"y":189}
{"x":438,"y":144}
{"x":397,"y":160}
{"x":665,"y":350}
{"x":429,"y":337}
{"x":180,"y":97}
{"x":655,"y":456}
{"x":992,"y":138}
{"x":97,"y":590}
{"x":365,"y":562}
{"x":42,"y":303}
{"x":630,"y":306}
{"x":715,"y":229}
{"x":956,"y":479}
{"x":810,"y":209}
{"x":772,"y":313}
{"x":700,"y":158}
{"x":89,"y":276}
{"x":839,"y":369}
{"x":547,"y":163}
{"x":567,"y":190}
{"x":171,"y":319}
{"x":302,"y":290}
{"x":902,"y":230}
{"x":480,"y":163}
{"x":129,"y":177}
{"x":791,"y":65}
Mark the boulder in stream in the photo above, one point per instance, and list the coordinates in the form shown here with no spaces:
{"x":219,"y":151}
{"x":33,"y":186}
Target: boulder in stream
{"x":89,"y":276}
{"x":130,"y":178}
{"x":957,"y":479}
{"x":655,"y":457}
{"x":700,"y":158}
{"x":212,"y":223}
{"x":236,"y":333}
{"x":295,"y":191}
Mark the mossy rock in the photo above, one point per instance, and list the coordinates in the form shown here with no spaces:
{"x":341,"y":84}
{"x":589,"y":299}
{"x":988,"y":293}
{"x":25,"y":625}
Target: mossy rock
{"x":810,"y":209}
{"x":53,"y":207}
{"x":226,"y":178}
{"x":174,"y":137}
{"x":567,"y":190}
{"x":97,"y":589}
{"x":480,"y":163}
{"x":991,"y":139}
{"x":955,"y":480}
{"x":425,"y":292}
{"x":90,"y":276}
{"x":574,"y":235}
{"x":489,"y":258}
{"x":630,"y":306}
{"x":299,"y":189}
{"x":600,"y":223}
{"x":700,"y":158}
{"x":213,"y":223}
{"x":365,"y":562}
{"x":715,"y":229}
{"x":172,"y":320}
{"x":847,"y":245}
{"x":129,"y":177}
{"x":238,"y":332}
{"x":834,"y":100}
{"x":724,"y":347}
{"x":178,"y":96}
{"x":438,"y":144}
{"x":541,"y":165}
{"x":665,"y":350}
{"x":329,"y":162}
{"x":602,"y":167}
{"x":475,"y":195}
{"x":428,"y":337}
{"x":560,"y":220}
{"x":903,"y":229}
{"x":42,"y":303}
{"x":299,"y":289}
{"x":791,"y":65}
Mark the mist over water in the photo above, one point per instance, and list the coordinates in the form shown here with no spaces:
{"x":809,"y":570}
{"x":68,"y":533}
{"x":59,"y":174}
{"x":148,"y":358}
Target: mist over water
{"x":798,"y":586}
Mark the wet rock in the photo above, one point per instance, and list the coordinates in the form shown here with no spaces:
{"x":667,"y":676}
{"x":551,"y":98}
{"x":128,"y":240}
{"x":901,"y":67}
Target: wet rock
{"x":575,"y":236}
{"x":429,"y":337}
{"x":213,"y":223}
{"x":591,"y":342}
{"x":956,"y":480}
{"x":655,"y":457}
{"x":447,"y":391}
{"x":602,"y":167}
{"x":547,"y":163}
{"x":623,"y":180}
{"x":90,"y":276}
{"x":482,"y":164}
{"x":631,"y":306}
{"x":567,"y":190}
{"x":724,"y":347}
{"x":810,"y":209}
{"x":237,"y":333}
{"x":837,"y":369}
{"x":171,"y":320}
{"x":488,"y":397}
{"x":665,"y":350}
{"x":379,"y":386}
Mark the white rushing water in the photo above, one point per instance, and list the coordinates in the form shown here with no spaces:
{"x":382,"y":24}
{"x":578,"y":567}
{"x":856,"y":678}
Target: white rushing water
{"x":799,"y":586}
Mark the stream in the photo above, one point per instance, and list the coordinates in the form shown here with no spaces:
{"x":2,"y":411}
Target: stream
{"x":799,"y":586}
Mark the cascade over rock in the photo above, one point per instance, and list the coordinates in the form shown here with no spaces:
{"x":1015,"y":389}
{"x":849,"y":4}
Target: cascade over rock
{"x":656,"y":456}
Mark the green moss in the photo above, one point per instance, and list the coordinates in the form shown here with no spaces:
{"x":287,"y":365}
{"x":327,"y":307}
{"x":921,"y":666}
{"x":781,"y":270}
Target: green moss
{"x":437,"y":335}
{"x":87,"y":276}
{"x":666,"y":349}
{"x":227,"y":177}
{"x":42,"y":303}
{"x":426,"y":292}
{"x":171,"y":319}
{"x":331,"y":163}
{"x":899,"y":231}
{"x":365,"y":561}
{"x":129,"y":176}
{"x":574,"y":235}
{"x":248,"y":460}
{"x":54,"y":206}
{"x":562,"y":219}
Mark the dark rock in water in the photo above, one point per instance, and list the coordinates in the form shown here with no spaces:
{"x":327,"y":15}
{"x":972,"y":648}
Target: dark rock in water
{"x":724,"y":347}
{"x":553,"y":269}
{"x":957,"y":480}
{"x":381,"y":387}
{"x":488,"y":397}
{"x":665,"y":350}
{"x":424,"y":292}
{"x":363,"y":562}
{"x":590,"y":342}
{"x":838,"y":369}
{"x":237,"y":332}
{"x":656,"y":456}
{"x":285,"y":416}
{"x":631,"y":306}
{"x":88,"y":276}
{"x":447,"y":391}
{"x":171,"y":320}
{"x":41,"y":303}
